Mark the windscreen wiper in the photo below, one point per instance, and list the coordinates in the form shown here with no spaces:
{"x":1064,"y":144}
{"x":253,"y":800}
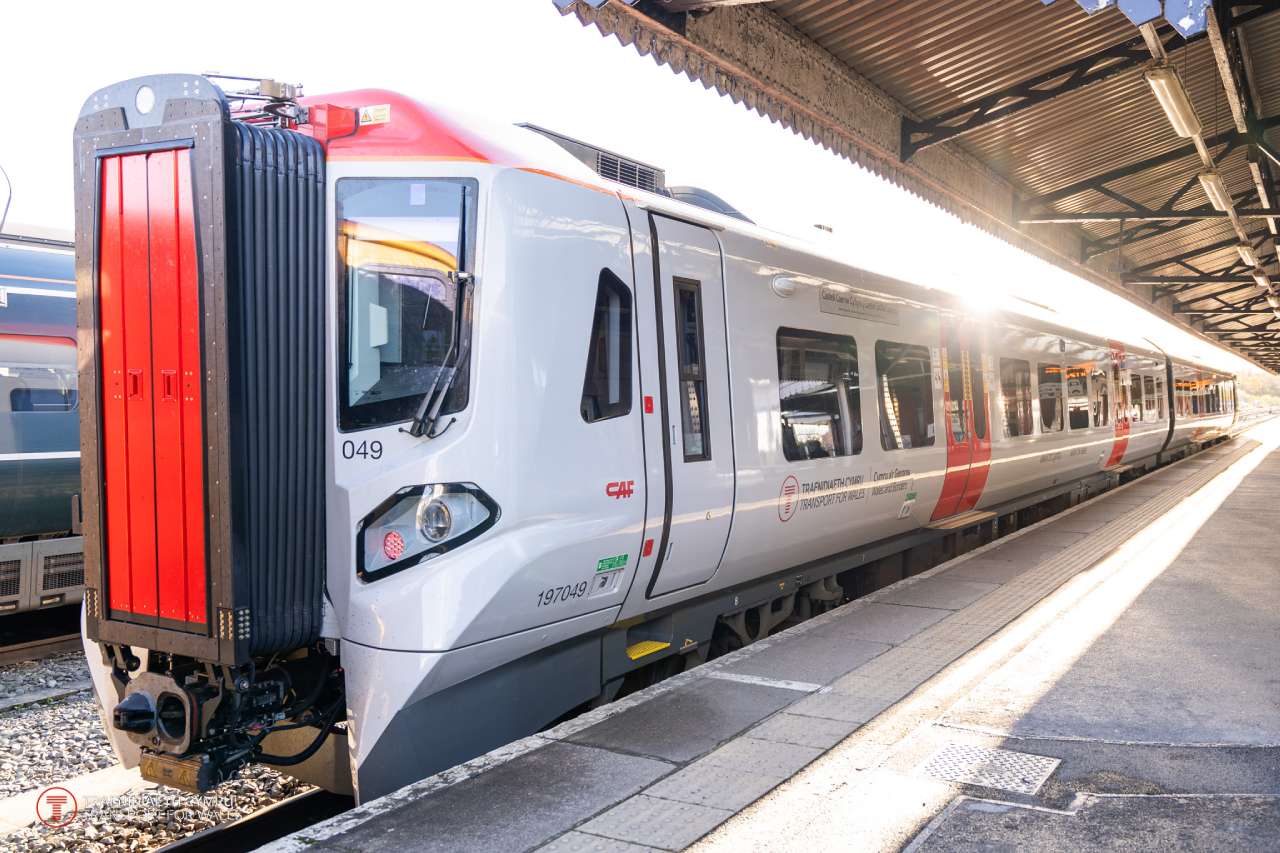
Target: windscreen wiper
{"x":428,"y":413}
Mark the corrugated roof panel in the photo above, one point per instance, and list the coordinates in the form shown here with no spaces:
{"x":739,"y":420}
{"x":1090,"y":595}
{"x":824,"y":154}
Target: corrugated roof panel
{"x":935,"y":57}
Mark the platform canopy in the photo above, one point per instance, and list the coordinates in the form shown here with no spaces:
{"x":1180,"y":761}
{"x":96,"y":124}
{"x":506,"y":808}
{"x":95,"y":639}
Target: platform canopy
{"x":1133,"y":142}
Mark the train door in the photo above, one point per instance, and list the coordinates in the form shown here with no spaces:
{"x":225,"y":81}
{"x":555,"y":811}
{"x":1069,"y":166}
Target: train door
{"x":965,"y":404}
{"x":694,"y":393}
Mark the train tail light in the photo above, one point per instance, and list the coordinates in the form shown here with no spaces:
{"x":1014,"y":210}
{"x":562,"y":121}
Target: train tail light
{"x":418,"y":523}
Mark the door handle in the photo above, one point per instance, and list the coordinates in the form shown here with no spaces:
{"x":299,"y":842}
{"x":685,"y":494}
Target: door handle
{"x":134,"y":385}
{"x":168,"y":378}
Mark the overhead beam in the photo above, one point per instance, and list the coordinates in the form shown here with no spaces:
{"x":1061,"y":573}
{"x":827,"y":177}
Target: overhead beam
{"x":1150,"y":216}
{"x":1222,"y":312}
{"x":1075,"y":75}
{"x":699,"y":5}
{"x":1269,"y":327}
{"x":1187,"y":255}
{"x":1234,"y":137}
{"x":1147,"y":230}
{"x":1230,"y":136}
{"x":1139,"y":278}
{"x":1226,"y":69}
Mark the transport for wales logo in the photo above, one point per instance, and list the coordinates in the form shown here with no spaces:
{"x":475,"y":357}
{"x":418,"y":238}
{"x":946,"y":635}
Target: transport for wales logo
{"x":788,"y":497}
{"x":818,"y":494}
{"x":56,"y":807}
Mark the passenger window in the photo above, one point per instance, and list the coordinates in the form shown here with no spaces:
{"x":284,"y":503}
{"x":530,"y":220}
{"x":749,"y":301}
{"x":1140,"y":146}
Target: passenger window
{"x":978,"y":388}
{"x":1078,"y":397}
{"x":38,"y":374}
{"x":1149,"y":398}
{"x":954,"y":402}
{"x":1049,"y":377}
{"x":818,"y":395}
{"x":1100,"y":393}
{"x":905,"y":394}
{"x":42,"y":400}
{"x":1135,"y":396}
{"x":1015,"y":389}
{"x":693,"y":374}
{"x":606,"y":390}
{"x":1120,"y":387}
{"x":1161,"y":397}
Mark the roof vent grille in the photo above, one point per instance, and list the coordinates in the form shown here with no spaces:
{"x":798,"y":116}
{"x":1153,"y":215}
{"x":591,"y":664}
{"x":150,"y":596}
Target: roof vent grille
{"x":626,"y":172}
{"x":608,"y":165}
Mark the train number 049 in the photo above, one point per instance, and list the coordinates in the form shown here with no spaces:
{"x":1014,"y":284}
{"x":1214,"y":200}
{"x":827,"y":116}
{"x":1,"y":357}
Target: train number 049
{"x":363,"y":449}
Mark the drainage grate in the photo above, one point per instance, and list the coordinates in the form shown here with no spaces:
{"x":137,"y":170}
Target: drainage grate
{"x":1005,"y":769}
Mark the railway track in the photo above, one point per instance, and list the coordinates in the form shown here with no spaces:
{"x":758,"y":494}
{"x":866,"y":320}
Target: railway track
{"x":39,"y":634}
{"x":37,"y":649}
{"x":261,"y":827}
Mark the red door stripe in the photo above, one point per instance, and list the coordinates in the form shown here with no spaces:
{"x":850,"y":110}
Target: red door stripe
{"x":1121,"y":443}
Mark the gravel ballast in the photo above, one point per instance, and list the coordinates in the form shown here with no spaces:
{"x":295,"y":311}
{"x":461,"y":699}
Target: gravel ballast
{"x":19,"y":679}
{"x":148,"y":819}
{"x":57,"y":739}
{"x":51,"y":742}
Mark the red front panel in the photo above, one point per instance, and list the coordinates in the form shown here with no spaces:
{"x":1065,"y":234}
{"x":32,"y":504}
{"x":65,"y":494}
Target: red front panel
{"x":152,"y":433}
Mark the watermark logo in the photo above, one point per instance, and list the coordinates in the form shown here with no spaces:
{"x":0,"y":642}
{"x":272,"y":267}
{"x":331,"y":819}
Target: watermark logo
{"x":56,"y":807}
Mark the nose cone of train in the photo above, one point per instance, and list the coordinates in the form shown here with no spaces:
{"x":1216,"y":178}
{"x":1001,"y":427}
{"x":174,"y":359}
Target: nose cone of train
{"x":136,"y":714}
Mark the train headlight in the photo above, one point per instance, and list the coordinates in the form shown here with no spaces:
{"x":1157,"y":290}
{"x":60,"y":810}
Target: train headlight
{"x":434,"y":520}
{"x":420,"y":522}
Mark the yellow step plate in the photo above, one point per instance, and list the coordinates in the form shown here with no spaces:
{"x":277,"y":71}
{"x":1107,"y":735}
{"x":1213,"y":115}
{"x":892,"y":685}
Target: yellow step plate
{"x":635,"y":651}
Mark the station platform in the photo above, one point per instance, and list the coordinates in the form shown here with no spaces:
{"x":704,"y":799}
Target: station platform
{"x":1107,"y":678}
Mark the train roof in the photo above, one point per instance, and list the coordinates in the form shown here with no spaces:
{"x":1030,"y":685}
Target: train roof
{"x":396,"y":127}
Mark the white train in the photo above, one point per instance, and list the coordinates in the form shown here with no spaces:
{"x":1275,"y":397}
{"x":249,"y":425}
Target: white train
{"x":567,"y":430}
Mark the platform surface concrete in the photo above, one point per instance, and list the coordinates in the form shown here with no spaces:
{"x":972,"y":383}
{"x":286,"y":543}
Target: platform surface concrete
{"x":1134,"y":640}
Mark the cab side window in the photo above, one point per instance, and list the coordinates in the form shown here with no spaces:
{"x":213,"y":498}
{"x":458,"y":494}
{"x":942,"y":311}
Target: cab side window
{"x":606,"y":390}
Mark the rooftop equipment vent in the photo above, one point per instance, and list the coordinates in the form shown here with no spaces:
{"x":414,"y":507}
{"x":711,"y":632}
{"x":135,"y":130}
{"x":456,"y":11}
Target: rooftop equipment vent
{"x":627,"y":172}
{"x":608,"y":164}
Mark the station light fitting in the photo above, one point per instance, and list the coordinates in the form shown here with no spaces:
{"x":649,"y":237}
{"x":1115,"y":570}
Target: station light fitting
{"x":1263,"y":280}
{"x":1169,"y":91}
{"x":1248,"y":255}
{"x":1215,"y":189}
{"x":1273,"y":299}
